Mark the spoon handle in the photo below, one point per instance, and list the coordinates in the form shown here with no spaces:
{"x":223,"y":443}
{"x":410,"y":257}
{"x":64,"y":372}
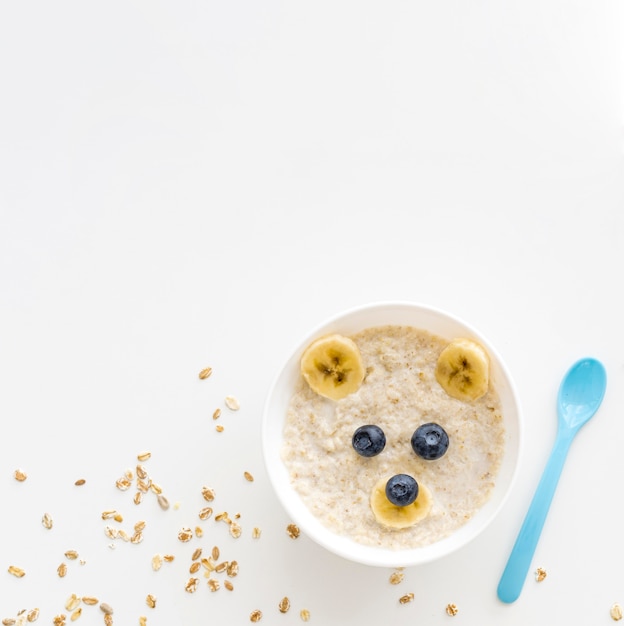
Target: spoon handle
{"x":515,"y":572}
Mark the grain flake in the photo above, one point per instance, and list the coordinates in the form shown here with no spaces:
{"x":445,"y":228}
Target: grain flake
{"x":150,"y":600}
{"x":255,"y":616}
{"x":249,"y":477}
{"x":107,"y":609}
{"x":304,"y":614}
{"x":47,"y":521}
{"x":451,"y":609}
{"x":18,"y":572}
{"x":407,"y":598}
{"x":293,"y":531}
{"x":284,"y":605}
{"x":540,"y":574}
{"x":232,"y":403}
{"x":616,"y":612}
{"x":205,"y":373}
{"x":20,"y":475}
{"x":396,"y":577}
{"x":80,"y":482}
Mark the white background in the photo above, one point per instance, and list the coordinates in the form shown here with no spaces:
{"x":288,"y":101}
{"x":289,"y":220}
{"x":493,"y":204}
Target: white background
{"x":189,"y":184}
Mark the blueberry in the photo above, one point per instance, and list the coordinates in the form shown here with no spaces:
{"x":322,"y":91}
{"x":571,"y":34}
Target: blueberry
{"x":430,"y":441}
{"x":368,"y":440}
{"x":401,"y":489}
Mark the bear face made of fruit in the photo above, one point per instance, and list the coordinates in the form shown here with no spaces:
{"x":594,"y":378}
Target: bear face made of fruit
{"x":332,"y":366}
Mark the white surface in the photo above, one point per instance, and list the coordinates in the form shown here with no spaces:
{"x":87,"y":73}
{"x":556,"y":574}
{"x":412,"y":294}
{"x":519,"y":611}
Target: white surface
{"x":189,"y":184}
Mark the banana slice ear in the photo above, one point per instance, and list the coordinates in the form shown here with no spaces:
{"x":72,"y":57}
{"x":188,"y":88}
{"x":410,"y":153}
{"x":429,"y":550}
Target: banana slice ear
{"x":463,"y":370}
{"x":332,"y":366}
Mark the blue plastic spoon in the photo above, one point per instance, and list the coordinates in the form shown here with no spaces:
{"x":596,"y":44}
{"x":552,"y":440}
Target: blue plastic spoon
{"x":580,"y":395}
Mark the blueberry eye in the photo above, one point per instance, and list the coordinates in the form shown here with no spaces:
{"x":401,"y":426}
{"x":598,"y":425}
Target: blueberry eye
{"x":430,"y":441}
{"x":401,"y":489}
{"x":368,"y":440}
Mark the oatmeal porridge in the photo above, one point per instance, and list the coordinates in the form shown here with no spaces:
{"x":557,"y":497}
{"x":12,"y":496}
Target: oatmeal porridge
{"x":399,"y":393}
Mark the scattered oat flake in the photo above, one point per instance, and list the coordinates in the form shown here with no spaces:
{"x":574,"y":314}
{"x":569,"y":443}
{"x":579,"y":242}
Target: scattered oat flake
{"x":150,"y":600}
{"x":108,"y":620}
{"x":208,"y":494}
{"x":228,"y":585}
{"x":157,"y":562}
{"x":293,"y":531}
{"x":61,"y":570}
{"x":616,"y":612}
{"x":59,"y":620}
{"x":219,"y":428}
{"x":18,"y":572}
{"x":90,"y":600}
{"x":205,"y":513}
{"x":8,"y":621}
{"x":186,"y":534}
{"x":168,"y":558}
{"x":20,"y":475}
{"x":47,"y":521}
{"x":124,"y":483}
{"x":215,"y":553}
{"x":32,"y":615}
{"x":232,"y":403}
{"x":256,"y":532}
{"x":305,"y":615}
{"x":217,"y":414}
{"x":232,"y":569}
{"x":255,"y":616}
{"x":142,"y":620}
{"x":143,"y":456}
{"x":191,"y":585}
{"x":284,"y":605}
{"x":195,"y":565}
{"x":235,"y":530}
{"x":248,"y":477}
{"x":72,"y":555}
{"x":107,"y":609}
{"x":163,"y":502}
{"x":76,"y":614}
{"x":213,"y":584}
{"x":451,"y":609}
{"x":540,"y":574}
{"x":407,"y":598}
{"x":205,"y":373}
{"x":80,"y":482}
{"x":72,"y":602}
{"x":396,"y":577}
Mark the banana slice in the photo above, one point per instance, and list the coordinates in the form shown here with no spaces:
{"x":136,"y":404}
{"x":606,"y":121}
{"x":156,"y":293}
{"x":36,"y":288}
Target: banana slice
{"x":463,"y":370}
{"x":394,"y":516}
{"x":332,"y":366}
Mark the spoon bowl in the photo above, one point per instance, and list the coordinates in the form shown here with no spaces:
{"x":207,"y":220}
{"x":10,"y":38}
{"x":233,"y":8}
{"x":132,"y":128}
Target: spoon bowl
{"x":580,"y":395}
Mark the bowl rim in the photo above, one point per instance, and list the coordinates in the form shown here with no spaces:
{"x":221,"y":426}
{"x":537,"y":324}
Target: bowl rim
{"x":344,"y":546}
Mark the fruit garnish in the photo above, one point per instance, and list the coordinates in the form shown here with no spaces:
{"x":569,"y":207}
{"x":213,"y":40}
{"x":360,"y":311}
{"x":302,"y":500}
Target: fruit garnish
{"x":462,"y":369}
{"x":430,"y":441}
{"x":401,"y":489}
{"x":332,"y":366}
{"x":393,"y":516}
{"x":368,"y":440}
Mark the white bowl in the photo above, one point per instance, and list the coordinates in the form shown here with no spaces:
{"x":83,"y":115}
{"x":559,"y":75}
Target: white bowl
{"x":438,"y":323}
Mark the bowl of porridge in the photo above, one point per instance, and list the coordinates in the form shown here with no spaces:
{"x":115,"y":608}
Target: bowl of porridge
{"x":392,"y":434}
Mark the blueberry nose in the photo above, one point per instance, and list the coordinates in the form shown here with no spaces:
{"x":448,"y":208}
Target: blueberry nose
{"x":401,"y":489}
